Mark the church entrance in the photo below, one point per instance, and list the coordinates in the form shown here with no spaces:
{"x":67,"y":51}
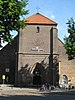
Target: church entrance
{"x":37,"y":75}
{"x":37,"y":80}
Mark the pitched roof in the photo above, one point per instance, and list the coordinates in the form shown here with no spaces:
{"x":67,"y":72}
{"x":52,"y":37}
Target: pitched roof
{"x":39,"y":19}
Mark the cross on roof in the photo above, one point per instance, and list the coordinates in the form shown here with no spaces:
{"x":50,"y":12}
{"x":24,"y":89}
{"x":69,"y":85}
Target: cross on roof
{"x":37,"y":9}
{"x":36,"y":49}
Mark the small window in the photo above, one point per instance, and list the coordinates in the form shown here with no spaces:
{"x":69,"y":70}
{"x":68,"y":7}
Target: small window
{"x":38,"y":30}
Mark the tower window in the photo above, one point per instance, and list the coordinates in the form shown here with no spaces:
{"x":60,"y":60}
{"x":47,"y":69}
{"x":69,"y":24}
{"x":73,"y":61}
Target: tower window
{"x":38,"y":30}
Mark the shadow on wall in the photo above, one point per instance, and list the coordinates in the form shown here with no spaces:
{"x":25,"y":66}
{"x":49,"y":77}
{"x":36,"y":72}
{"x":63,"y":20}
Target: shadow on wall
{"x":40,"y":72}
{"x":56,"y":71}
{"x":25,"y":76}
{"x":37,"y":77}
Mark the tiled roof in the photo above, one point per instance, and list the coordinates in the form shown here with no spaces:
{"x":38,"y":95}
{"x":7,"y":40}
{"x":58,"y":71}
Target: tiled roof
{"x":39,"y":19}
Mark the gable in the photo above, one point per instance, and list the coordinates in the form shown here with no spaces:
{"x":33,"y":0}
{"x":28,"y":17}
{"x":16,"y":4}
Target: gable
{"x":39,"y":19}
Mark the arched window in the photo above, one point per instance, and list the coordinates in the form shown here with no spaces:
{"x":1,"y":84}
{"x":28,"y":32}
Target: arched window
{"x":38,"y":30}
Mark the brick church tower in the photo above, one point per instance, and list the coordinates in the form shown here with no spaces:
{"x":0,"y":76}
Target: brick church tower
{"x":37,"y":56}
{"x":37,"y":49}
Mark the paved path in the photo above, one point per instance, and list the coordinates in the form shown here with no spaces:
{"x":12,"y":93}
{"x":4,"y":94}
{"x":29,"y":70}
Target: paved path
{"x":24,"y":95}
{"x":8,"y":93}
{"x":19,"y":91}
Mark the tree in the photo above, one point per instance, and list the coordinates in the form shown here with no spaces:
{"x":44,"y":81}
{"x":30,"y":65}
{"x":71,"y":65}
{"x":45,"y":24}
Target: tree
{"x":11,"y":12}
{"x":69,"y":42}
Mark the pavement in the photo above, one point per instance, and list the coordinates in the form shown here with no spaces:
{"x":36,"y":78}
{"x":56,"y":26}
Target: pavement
{"x":6,"y":90}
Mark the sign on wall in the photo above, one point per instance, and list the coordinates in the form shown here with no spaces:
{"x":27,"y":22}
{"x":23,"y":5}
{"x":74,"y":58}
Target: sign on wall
{"x":7,"y":70}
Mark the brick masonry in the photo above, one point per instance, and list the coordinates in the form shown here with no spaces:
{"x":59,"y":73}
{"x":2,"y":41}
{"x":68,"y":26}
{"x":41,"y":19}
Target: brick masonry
{"x":29,"y":57}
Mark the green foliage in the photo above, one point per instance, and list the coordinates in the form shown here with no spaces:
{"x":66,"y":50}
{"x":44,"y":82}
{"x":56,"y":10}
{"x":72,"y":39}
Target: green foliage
{"x":69,"y":42}
{"x":10,"y":13}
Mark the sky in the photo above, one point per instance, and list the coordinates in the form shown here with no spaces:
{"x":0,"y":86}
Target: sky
{"x":57,"y":10}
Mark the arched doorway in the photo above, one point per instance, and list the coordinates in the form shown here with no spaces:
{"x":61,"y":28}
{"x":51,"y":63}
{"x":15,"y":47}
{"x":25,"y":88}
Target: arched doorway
{"x":37,"y":80}
{"x":37,"y":74}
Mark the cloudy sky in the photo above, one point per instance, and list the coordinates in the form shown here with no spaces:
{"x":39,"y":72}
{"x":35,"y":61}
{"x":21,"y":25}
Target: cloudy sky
{"x":58,"y":10}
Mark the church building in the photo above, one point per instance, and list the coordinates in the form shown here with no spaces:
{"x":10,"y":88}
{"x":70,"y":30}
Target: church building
{"x":36,"y":56}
